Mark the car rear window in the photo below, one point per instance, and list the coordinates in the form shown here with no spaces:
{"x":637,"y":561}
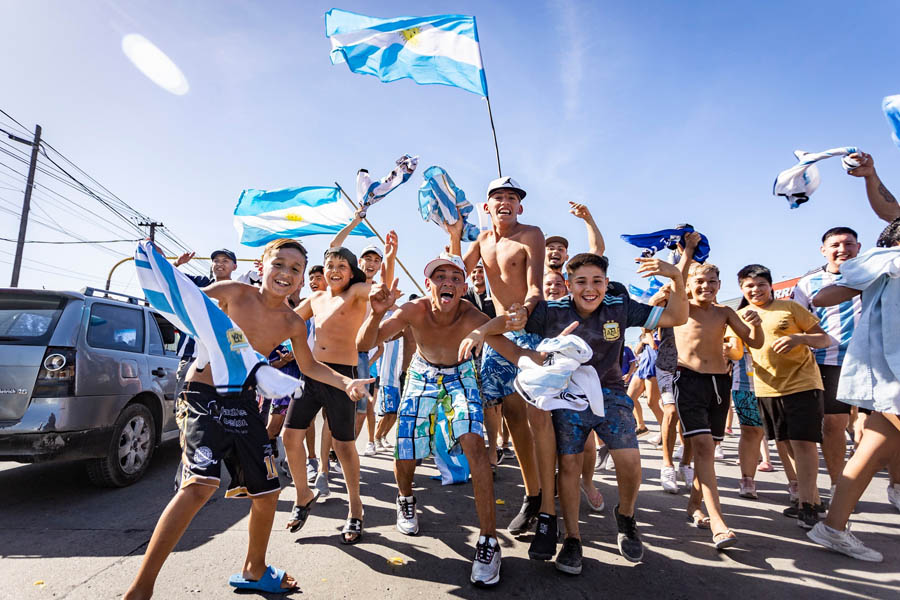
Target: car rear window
{"x":29,"y":320}
{"x":116,"y":328}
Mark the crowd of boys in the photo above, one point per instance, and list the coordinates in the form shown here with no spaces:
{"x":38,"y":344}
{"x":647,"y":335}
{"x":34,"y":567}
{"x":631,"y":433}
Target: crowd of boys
{"x":779,"y":361}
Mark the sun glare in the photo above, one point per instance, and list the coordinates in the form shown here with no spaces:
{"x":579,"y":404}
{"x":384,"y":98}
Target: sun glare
{"x":153,"y":62}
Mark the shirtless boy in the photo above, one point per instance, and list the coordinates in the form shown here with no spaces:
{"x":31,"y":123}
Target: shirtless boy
{"x":266,"y":321}
{"x":338,"y":313}
{"x":703,"y":389}
{"x":439,"y":323}
{"x":513,"y":257}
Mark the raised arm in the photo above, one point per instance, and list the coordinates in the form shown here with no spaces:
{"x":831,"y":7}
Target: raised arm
{"x":676,"y":311}
{"x":390,"y":255}
{"x":880,"y":199}
{"x":373,"y":331}
{"x":691,"y":241}
{"x":473,"y":254}
{"x":750,"y":332}
{"x":341,"y":236}
{"x":834,"y":294}
{"x":596,"y":245}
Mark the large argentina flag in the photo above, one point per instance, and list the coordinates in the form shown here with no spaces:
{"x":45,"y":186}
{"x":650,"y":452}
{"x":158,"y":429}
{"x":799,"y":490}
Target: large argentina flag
{"x":438,"y":49}
{"x":262,"y":216}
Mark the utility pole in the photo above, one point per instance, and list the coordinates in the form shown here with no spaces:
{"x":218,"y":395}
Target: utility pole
{"x":152,"y":225}
{"x":26,"y":204}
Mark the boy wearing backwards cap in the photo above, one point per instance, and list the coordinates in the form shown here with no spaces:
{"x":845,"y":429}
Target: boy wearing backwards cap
{"x":436,"y":376}
{"x":513,"y":258}
{"x":338,"y":312}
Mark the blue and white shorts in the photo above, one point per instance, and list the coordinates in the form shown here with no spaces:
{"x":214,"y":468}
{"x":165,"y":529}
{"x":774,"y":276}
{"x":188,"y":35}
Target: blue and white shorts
{"x":497,"y":373}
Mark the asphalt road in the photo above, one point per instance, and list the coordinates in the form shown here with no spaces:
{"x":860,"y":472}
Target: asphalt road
{"x":60,"y":537}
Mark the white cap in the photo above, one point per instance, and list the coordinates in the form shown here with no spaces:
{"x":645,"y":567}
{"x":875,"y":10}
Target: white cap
{"x":445,"y":259}
{"x":372,"y":248}
{"x":505,"y":183}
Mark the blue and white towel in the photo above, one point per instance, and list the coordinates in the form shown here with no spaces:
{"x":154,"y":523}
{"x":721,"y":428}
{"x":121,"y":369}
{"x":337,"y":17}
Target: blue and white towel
{"x":442,"y":203}
{"x":369,"y":192}
{"x":870,"y":375}
{"x":799,"y":182}
{"x":389,"y":366}
{"x":667,"y":238}
{"x":545,"y":386}
{"x":220,"y":342}
{"x":891,"y":107}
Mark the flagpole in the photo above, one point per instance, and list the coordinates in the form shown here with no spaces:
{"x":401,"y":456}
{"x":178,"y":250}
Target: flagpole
{"x":494,"y":131}
{"x":397,"y":258}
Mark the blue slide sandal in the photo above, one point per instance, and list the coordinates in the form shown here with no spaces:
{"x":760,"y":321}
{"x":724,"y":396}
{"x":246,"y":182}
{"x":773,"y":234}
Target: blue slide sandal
{"x":269,"y":582}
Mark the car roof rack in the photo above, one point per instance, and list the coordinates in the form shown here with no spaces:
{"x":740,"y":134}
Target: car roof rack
{"x":89,"y":291}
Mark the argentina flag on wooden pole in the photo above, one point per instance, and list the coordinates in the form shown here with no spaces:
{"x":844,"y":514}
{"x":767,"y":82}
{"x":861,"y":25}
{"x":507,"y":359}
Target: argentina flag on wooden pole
{"x":439,"y":49}
{"x":262,"y":216}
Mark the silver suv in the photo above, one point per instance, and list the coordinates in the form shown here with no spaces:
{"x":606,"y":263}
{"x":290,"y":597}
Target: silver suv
{"x":85,"y":375}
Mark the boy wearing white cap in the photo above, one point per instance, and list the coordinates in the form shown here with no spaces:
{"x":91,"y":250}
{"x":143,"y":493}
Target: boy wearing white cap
{"x":513,"y":258}
{"x":436,"y":377}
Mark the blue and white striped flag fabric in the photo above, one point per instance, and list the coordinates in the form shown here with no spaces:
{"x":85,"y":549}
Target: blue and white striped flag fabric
{"x":220,"y":342}
{"x":369,"y":192}
{"x":891,"y":107}
{"x":440,"y":49}
{"x":798,"y":183}
{"x":262,"y":216}
{"x":441,"y":202}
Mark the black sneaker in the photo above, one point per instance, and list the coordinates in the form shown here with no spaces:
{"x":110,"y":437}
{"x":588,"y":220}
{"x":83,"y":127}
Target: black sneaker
{"x":524,"y":521}
{"x":792,"y":511}
{"x":499,"y":456}
{"x":508,"y":452}
{"x":808,"y":516}
{"x":630,"y":545}
{"x":543,"y":546}
{"x":569,"y":558}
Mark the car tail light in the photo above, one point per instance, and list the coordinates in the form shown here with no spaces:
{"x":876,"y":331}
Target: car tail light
{"x":57,"y":375}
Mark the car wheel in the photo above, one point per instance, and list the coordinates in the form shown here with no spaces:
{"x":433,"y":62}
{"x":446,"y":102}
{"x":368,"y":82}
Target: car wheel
{"x":130,"y":449}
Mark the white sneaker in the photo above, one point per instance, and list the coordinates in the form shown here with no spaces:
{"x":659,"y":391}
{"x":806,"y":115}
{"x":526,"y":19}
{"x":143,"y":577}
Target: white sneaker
{"x":894,"y":494}
{"x":322,"y":485}
{"x":686,"y":473}
{"x":748,"y":488}
{"x":312,"y":469}
{"x":678,"y":452}
{"x":407,"y":519}
{"x":720,"y":452}
{"x":843,"y":542}
{"x":654,"y":440}
{"x":370,"y":449}
{"x":668,"y":480}
{"x":486,"y":566}
{"x":379,"y":445}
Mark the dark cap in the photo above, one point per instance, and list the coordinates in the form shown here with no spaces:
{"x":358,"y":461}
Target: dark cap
{"x":358,"y":275}
{"x":558,"y":239}
{"x":227,"y":253}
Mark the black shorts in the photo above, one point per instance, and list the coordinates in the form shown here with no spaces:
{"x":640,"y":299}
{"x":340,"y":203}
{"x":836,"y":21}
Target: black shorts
{"x":339,"y":408}
{"x":831,"y":375}
{"x":793,"y":417}
{"x":702,"y":401}
{"x":229,"y":429}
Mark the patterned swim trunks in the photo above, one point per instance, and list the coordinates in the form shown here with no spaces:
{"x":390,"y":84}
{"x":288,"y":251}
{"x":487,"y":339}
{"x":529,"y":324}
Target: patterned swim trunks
{"x":497,"y":373}
{"x":429,"y":389}
{"x":747,"y":408}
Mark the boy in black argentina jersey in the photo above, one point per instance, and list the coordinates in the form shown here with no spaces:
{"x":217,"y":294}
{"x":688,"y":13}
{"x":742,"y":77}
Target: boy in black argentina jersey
{"x":602,"y":319}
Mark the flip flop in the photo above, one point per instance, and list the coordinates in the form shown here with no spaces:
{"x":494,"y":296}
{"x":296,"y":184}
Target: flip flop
{"x":270,"y":582}
{"x":301,"y":513}
{"x":596,"y":503}
{"x":699,"y":520}
{"x":724,"y":539}
{"x":352,"y":527}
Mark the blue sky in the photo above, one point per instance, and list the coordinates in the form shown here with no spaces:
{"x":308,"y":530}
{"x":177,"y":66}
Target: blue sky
{"x":652,"y":113}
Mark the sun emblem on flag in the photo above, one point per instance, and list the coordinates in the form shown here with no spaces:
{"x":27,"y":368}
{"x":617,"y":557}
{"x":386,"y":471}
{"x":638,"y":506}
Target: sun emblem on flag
{"x":409,"y":34}
{"x":293,"y":217}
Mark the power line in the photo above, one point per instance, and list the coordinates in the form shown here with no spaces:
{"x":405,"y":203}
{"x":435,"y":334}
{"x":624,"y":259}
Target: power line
{"x":68,"y":242}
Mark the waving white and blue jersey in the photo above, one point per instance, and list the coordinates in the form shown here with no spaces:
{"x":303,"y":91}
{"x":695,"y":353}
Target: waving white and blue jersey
{"x":838,"y":321}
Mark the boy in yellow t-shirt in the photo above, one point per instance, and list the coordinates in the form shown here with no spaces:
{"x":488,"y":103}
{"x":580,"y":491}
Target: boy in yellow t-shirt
{"x":787,"y":382}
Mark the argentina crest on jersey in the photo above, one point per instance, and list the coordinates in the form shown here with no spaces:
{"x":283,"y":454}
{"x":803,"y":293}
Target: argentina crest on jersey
{"x":611,"y":331}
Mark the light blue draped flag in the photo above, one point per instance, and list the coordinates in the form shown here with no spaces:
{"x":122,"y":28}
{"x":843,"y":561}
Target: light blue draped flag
{"x":667,"y":238}
{"x":262,"y":216}
{"x":439,"y":49}
{"x":891,"y":107}
{"x":442,"y":203}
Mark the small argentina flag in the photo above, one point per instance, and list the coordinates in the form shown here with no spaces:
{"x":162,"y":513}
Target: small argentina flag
{"x":438,"y":49}
{"x":262,"y":216}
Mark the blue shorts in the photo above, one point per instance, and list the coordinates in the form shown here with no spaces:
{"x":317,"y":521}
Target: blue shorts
{"x":497,"y":373}
{"x":616,"y":428}
{"x":747,"y":408}
{"x":388,"y":400}
{"x":429,"y":388}
{"x":362,"y":367}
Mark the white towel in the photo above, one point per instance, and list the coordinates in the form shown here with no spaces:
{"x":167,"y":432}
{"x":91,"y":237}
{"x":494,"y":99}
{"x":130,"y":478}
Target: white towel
{"x":543,"y":385}
{"x":799,"y":182}
{"x":369,"y":192}
{"x":220,"y":342}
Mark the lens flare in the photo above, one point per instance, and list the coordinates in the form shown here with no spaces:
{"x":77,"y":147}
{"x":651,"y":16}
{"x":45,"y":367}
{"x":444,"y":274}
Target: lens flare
{"x":153,"y":62}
